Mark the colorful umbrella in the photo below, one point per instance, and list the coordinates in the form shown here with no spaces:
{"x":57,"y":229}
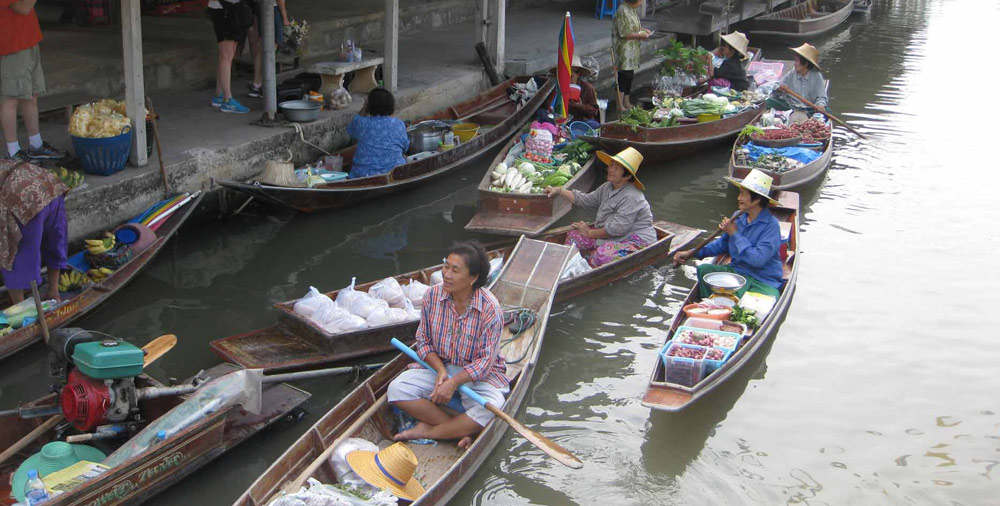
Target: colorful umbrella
{"x":564,"y":68}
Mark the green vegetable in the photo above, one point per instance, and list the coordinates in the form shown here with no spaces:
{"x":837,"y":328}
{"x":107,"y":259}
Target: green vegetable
{"x":576,"y":151}
{"x":677,"y":58}
{"x":637,"y":117}
{"x":745,"y":316}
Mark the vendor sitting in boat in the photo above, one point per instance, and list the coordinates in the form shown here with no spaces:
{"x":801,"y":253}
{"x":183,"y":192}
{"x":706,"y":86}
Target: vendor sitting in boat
{"x":458,"y":336}
{"x":752,"y":240}
{"x":806,"y":80}
{"x":583,"y":106}
{"x":381,"y":139}
{"x":730,"y":73}
{"x":624,"y":221}
{"x":33,"y":217}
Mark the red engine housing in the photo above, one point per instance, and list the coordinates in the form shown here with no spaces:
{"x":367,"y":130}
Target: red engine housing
{"x":84,"y":401}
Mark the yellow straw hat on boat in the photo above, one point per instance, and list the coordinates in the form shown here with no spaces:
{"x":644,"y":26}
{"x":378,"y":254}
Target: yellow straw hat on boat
{"x":737,"y":41}
{"x":808,"y":52}
{"x":756,"y":182}
{"x":630,"y":158}
{"x":577,"y":65}
{"x":390,"y":469}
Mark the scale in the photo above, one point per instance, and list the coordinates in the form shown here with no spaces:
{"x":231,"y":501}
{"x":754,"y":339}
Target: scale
{"x":724,"y":286}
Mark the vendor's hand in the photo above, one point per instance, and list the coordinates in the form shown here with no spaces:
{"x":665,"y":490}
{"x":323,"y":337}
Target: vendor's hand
{"x":553,"y":191}
{"x":582,"y":226}
{"x":820,"y":109}
{"x":728,"y":226}
{"x":683,"y":256}
{"x":286,"y":22}
{"x":782,"y":87}
{"x":444,"y":391}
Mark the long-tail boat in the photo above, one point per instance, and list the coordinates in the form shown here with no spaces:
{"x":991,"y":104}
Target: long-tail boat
{"x":806,"y":20}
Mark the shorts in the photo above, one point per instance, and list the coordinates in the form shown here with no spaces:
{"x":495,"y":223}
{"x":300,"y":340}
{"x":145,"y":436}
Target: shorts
{"x":21,"y":73}
{"x":225,"y":25}
{"x":413,"y":384}
{"x":625,"y":81}
{"x":43,"y":241}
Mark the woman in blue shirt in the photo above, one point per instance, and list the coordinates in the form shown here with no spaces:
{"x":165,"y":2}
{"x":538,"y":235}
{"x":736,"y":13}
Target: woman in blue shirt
{"x":381,"y":139}
{"x":752,"y":240}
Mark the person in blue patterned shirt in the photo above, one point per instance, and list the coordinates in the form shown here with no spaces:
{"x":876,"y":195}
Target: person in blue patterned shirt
{"x":381,"y":138}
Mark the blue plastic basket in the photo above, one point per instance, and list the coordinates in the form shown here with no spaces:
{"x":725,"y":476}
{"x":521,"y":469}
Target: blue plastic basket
{"x":103,"y":157}
{"x":714,"y":333}
{"x":712,"y":365}
{"x":578,"y":128}
{"x":679,"y":370}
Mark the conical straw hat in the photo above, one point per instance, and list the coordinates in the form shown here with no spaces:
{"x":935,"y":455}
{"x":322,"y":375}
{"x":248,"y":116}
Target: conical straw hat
{"x":808,"y":52}
{"x":756,"y":182}
{"x":738,"y":41}
{"x":630,"y":158}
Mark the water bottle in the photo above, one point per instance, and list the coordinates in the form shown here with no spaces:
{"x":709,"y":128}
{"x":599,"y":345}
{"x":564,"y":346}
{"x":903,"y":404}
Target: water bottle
{"x":350,"y":50}
{"x":161,"y":436}
{"x":34,"y":489}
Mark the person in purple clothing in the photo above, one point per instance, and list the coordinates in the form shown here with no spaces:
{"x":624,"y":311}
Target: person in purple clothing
{"x":381,"y":139}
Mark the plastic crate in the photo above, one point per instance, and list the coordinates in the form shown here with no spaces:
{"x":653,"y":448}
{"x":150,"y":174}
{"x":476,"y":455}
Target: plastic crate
{"x":106,"y":156}
{"x":713,"y":365}
{"x":680,"y":370}
{"x":717,"y":336}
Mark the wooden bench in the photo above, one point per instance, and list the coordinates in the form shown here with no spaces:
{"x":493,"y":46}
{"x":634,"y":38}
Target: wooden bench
{"x":332,"y":74}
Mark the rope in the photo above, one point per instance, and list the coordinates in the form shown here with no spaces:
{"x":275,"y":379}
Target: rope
{"x":523,"y":316}
{"x":302,"y":135}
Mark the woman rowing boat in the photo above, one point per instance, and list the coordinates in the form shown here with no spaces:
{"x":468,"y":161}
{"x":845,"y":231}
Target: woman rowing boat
{"x":806,"y":79}
{"x":752,"y":240}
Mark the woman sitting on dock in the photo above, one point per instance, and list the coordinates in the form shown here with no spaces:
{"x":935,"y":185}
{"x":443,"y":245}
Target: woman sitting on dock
{"x":459,"y":336}
{"x":624,"y":221}
{"x":381,"y":138}
{"x":730,"y":73}
{"x":752,"y":240}
{"x":806,"y":80}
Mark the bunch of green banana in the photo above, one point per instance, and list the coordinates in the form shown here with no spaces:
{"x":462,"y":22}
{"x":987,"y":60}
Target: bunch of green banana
{"x":98,"y":275}
{"x":70,"y":178}
{"x":98,"y":246}
{"x":72,"y":280}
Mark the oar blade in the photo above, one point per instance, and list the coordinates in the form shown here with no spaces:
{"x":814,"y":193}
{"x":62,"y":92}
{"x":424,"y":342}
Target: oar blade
{"x":158,"y":347}
{"x":562,"y":455}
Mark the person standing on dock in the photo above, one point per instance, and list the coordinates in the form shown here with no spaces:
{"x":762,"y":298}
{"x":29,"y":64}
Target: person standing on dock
{"x":625,"y":37}
{"x":230,"y":19}
{"x":32,"y":226}
{"x":806,"y":80}
{"x":23,"y":81}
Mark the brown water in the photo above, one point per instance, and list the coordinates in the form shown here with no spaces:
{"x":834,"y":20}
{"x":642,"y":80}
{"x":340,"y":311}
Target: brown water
{"x":879,"y":388}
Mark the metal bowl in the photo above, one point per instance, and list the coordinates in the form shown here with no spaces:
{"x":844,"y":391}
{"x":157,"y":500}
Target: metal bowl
{"x":724,"y":282}
{"x":425,"y":138}
{"x":300,"y":111}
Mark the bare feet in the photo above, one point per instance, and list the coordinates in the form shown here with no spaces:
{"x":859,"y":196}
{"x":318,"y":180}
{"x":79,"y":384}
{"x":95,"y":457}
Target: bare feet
{"x":54,"y":296}
{"x":465,"y":442}
{"x":419,"y":431}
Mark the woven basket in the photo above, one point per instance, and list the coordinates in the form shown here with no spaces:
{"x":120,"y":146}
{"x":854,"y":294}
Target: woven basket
{"x":776,"y":143}
{"x":111,"y":259}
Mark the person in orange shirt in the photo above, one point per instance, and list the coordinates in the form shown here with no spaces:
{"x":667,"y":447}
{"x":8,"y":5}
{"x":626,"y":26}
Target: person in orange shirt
{"x":22,"y":79}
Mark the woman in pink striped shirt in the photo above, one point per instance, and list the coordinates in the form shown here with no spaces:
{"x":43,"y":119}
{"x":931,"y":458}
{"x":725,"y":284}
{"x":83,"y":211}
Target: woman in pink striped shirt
{"x":459,"y":337}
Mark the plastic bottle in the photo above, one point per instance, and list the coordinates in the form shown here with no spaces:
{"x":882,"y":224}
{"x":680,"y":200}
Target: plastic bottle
{"x":161,"y":436}
{"x":350,"y":50}
{"x":34,"y":489}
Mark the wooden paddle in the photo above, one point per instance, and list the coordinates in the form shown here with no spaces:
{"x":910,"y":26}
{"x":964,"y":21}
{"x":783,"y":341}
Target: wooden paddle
{"x":159,"y":152}
{"x":810,"y":104}
{"x":557,"y":452}
{"x":40,"y":311}
{"x":29,"y":438}
{"x":710,"y":238}
{"x":157,"y":348}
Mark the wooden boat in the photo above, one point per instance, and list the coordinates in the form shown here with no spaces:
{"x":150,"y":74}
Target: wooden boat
{"x":528,"y":280}
{"x":663,"y":396}
{"x":862,"y":7}
{"x":75,"y":305}
{"x":149,"y":473}
{"x":660,"y":144}
{"x":296,"y":342}
{"x":644,"y":95}
{"x":528,"y":214}
{"x":498,"y":116}
{"x":806,"y":20}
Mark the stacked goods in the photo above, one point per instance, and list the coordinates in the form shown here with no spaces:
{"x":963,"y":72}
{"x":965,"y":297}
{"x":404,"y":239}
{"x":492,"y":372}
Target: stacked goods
{"x":812,"y":130}
{"x":101,"y":246}
{"x":527,"y":178}
{"x":708,"y":338}
{"x":683,"y":364}
{"x":99,"y":274}
{"x":101,"y":119}
{"x":708,"y":104}
{"x":72,"y":280}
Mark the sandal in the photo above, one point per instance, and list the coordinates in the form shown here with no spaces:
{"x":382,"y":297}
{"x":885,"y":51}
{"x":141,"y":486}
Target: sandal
{"x":524,"y":321}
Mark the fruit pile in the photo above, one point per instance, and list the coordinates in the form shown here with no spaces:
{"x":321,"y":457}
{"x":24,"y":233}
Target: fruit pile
{"x":100,"y":274}
{"x":714,"y":354}
{"x":70,"y":178}
{"x":98,"y":246}
{"x":686,"y":352}
{"x":72,"y":280}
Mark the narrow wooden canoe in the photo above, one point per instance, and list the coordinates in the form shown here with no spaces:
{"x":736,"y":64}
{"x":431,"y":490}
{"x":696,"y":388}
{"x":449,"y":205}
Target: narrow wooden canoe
{"x":862,"y":7}
{"x":148,"y":474}
{"x":297,"y":343}
{"x":804,"y":21}
{"x":664,"y":396}
{"x":497,"y":124}
{"x":528,"y":280}
{"x":660,"y":144}
{"x":527,"y":214}
{"x":80,"y":303}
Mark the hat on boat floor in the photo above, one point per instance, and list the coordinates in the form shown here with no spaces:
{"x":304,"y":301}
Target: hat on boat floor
{"x":756,"y":182}
{"x":55,"y":456}
{"x":391,"y":468}
{"x":630,"y":158}
{"x":808,"y":52}
{"x":737,"y":41}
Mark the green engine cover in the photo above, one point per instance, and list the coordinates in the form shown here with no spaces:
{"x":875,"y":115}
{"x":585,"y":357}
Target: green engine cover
{"x":108,"y":359}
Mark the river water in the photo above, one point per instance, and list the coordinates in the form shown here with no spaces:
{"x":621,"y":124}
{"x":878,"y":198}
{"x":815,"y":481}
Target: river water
{"x":878,"y":388}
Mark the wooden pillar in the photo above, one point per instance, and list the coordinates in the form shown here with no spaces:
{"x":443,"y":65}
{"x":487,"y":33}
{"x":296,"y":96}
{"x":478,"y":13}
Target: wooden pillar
{"x":135,"y":89}
{"x":266,"y":30}
{"x":496,"y":33}
{"x":482,"y":23}
{"x":390,"y":63}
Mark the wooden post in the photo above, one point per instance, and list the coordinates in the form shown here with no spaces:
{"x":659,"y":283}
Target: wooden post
{"x":390,"y":34}
{"x":497,"y":33}
{"x":482,"y":22}
{"x":266,"y":30}
{"x":135,"y":89}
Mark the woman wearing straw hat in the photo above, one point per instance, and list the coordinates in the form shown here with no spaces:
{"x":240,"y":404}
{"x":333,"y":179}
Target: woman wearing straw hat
{"x":624,"y":222}
{"x":752,"y":240}
{"x":390,"y":469}
{"x":730,"y":73}
{"x":582,"y":105}
{"x":806,"y":80}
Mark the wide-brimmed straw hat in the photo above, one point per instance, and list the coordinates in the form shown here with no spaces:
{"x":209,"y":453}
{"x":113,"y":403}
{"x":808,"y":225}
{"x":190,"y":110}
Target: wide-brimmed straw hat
{"x":808,"y":52}
{"x":630,"y":158}
{"x":391,"y":468}
{"x":577,"y":64}
{"x":737,"y":41}
{"x":756,"y":182}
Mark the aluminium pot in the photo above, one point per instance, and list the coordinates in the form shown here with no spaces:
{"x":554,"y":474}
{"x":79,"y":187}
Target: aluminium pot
{"x":300,"y":111}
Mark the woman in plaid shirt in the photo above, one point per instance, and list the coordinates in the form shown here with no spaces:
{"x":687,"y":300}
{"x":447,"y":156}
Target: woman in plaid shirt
{"x":459,"y":337}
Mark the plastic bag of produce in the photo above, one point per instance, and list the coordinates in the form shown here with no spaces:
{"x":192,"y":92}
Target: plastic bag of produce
{"x":388,"y":290}
{"x":345,"y":475}
{"x":576,"y":266}
{"x":363,"y":304}
{"x":308,"y":305}
{"x":327,"y":316}
{"x":321,"y":494}
{"x":437,"y":278}
{"x":387,"y":316}
{"x":344,"y":322}
{"x":412,"y":313}
{"x":414,"y":292}
{"x":348,"y":294}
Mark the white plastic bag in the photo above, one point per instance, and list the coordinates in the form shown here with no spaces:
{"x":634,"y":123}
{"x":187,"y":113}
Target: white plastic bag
{"x":388,"y":290}
{"x":387,"y":316}
{"x":347,"y":295}
{"x":412,"y":313}
{"x":415,"y":292}
{"x":363,"y":305}
{"x":495,"y":266}
{"x":320,"y":494}
{"x":328,"y":316}
{"x":576,"y":266}
{"x":437,"y":278}
{"x":313,"y":301}
{"x":345,"y":475}
{"x":345,"y":322}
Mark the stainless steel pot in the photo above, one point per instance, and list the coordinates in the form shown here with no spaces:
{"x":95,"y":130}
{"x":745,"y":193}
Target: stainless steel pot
{"x":425,"y":138}
{"x":300,"y":111}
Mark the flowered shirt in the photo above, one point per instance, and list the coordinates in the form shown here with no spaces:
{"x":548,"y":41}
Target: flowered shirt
{"x":470,"y":340}
{"x":753,"y":248}
{"x":626,"y":50}
{"x":25,"y":190}
{"x":381,"y":142}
